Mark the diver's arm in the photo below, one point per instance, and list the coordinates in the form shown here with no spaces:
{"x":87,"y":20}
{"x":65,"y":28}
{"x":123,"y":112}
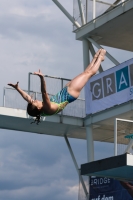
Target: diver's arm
{"x":23,"y":94}
{"x":45,"y":96}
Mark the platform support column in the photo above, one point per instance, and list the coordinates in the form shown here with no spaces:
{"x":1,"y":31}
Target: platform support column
{"x":90,"y":144}
{"x":89,"y":137}
{"x":86,"y":56}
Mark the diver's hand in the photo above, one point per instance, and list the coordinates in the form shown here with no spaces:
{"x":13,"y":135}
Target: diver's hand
{"x":39,"y":73}
{"x":14,"y":85}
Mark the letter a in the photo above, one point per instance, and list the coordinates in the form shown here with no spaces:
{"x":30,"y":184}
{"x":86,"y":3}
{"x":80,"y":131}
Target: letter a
{"x":122,"y":80}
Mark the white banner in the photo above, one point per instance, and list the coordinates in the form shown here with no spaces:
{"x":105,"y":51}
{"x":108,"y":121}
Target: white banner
{"x":109,"y":88}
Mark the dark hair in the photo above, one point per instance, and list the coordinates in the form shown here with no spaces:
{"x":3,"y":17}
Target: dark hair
{"x":34,"y":112}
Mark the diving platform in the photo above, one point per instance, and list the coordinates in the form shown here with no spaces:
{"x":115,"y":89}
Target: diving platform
{"x":113,"y":28}
{"x":16,"y":119}
{"x":116,"y":167}
{"x":74,"y":127}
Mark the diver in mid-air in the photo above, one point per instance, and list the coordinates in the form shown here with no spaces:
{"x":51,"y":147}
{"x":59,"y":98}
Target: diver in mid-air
{"x":55,"y":104}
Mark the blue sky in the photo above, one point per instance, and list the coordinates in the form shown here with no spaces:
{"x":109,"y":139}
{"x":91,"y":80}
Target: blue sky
{"x":35,"y":34}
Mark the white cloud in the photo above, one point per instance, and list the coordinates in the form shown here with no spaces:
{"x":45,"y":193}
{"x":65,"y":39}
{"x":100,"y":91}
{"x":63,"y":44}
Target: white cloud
{"x":42,"y":192}
{"x":72,"y":191}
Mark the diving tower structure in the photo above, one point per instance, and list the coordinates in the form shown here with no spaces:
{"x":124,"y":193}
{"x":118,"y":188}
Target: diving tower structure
{"x":111,"y":28}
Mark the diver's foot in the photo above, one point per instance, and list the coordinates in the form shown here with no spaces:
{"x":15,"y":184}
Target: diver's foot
{"x":102,"y":54}
{"x":95,"y":58}
{"x":97,"y":53}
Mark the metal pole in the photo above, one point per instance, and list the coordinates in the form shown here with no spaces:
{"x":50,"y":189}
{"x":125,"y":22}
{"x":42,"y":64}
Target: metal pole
{"x":35,"y":95}
{"x":90,"y":148}
{"x":81,"y":12}
{"x":90,"y":144}
{"x":89,"y":137}
{"x":86,"y":57}
{"x":107,"y":54}
{"x":76,"y":165}
{"x":94,"y":9}
{"x":86,"y":11}
{"x":61,"y":117}
{"x":61,"y":84}
{"x":29,"y":83}
{"x":4,"y":97}
{"x":28,"y":90}
{"x":67,"y":14}
{"x":115,"y":137}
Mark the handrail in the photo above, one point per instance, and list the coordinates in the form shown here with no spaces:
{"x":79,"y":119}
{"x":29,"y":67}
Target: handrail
{"x":12,"y":99}
{"x":52,"y":77}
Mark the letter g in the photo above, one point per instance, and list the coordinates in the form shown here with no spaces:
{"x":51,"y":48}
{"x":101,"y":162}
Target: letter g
{"x":96,"y":91}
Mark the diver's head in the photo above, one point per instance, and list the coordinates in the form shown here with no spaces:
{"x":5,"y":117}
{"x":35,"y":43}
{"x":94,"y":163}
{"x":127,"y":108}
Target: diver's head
{"x":34,"y":110}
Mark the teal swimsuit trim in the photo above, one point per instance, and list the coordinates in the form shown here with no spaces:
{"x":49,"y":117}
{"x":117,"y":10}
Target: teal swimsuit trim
{"x":62,"y":96}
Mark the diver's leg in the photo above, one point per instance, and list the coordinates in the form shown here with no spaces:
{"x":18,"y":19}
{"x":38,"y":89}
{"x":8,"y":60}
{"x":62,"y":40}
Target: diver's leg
{"x":76,"y":85}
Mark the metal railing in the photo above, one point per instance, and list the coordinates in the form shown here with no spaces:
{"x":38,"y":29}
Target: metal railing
{"x":110,"y":5}
{"x":54,"y":85}
{"x":85,"y":11}
{"x":12,"y":99}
